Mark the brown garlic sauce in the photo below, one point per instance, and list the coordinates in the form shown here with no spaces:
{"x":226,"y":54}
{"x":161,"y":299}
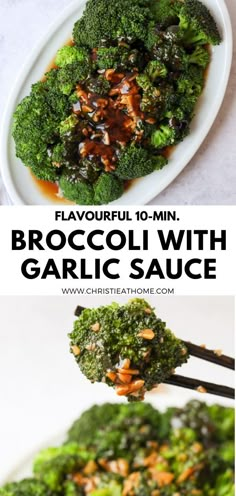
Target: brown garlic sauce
{"x":110,"y":130}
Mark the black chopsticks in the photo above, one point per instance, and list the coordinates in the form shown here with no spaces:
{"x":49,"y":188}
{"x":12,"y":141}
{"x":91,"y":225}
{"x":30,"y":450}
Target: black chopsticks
{"x":213,"y":356}
{"x":200,"y":386}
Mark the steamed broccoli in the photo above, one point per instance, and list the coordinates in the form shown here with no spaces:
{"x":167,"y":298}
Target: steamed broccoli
{"x":191,"y":82}
{"x":98,"y":85}
{"x":168,"y":134}
{"x":200,"y":56}
{"x":76,"y":189}
{"x":107,"y":189}
{"x":25,"y":487}
{"x":137,"y":162}
{"x":71,"y":74}
{"x":197,"y":26}
{"x":35,"y":127}
{"x":125,"y":89}
{"x":127,"y":347}
{"x":165,"y":12}
{"x":136,"y":450}
{"x":52,"y":465}
{"x":156,"y":69}
{"x":120,"y":430}
{"x":117,"y":57}
{"x":70,"y":55}
{"x":111,"y":21}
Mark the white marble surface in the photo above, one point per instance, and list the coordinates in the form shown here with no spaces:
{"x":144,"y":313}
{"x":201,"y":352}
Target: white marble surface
{"x":209,"y":178}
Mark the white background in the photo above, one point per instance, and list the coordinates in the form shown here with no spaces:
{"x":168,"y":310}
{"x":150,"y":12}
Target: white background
{"x":42,"y":390}
{"x":211,"y":175}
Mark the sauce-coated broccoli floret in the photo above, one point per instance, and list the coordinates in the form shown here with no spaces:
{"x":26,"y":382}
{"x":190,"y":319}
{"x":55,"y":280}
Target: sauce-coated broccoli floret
{"x":134,"y":450}
{"x":52,"y":465}
{"x":120,"y":430}
{"x":127,"y":347}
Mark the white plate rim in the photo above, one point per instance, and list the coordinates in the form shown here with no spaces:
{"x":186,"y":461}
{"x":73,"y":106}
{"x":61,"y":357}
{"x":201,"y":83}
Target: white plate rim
{"x":147,"y":196}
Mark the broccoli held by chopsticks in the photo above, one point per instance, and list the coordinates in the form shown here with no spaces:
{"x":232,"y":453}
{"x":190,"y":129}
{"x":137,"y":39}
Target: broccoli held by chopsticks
{"x":127,"y":347}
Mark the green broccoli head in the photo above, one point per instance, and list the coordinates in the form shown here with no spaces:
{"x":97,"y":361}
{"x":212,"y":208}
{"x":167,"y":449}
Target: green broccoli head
{"x":200,"y":56}
{"x":156,"y":69}
{"x":127,"y":347}
{"x":197,"y":26}
{"x":167,"y":134}
{"x":114,"y":489}
{"x":70,"y":55}
{"x":35,"y":127}
{"x":165,"y":12}
{"x":116,"y":57}
{"x":225,"y":483}
{"x":99,"y":85}
{"x":120,"y":430}
{"x":76,"y":189}
{"x":108,"y":188}
{"x":191,"y":82}
{"x":111,"y":21}
{"x":71,"y":74}
{"x":137,"y":162}
{"x":212,"y":423}
{"x":25,"y":487}
{"x":53,"y":465}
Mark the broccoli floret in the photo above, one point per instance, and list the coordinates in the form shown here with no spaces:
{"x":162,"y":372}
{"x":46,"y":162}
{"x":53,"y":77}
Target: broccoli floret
{"x":46,"y":173}
{"x":114,"y":489}
{"x":213,"y":423}
{"x":115,"y":57}
{"x":68,"y":125}
{"x":171,"y":54}
{"x":191,"y":82}
{"x":53,"y":465}
{"x":136,"y":162}
{"x":169,"y":134}
{"x":71,"y":74}
{"x":70,"y":54}
{"x":98,"y":85}
{"x":224,"y":420}
{"x":25,"y":487}
{"x":120,"y":430}
{"x":197,"y":26}
{"x":165,"y":12}
{"x":156,"y":69}
{"x":103,"y":19}
{"x":74,"y":188}
{"x":35,"y":126}
{"x":107,"y":189}
{"x":200,"y":56}
{"x":225,"y":484}
{"x":109,"y":341}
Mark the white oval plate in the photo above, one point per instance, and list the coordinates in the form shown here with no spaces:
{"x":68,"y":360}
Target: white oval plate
{"x":18,"y":181}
